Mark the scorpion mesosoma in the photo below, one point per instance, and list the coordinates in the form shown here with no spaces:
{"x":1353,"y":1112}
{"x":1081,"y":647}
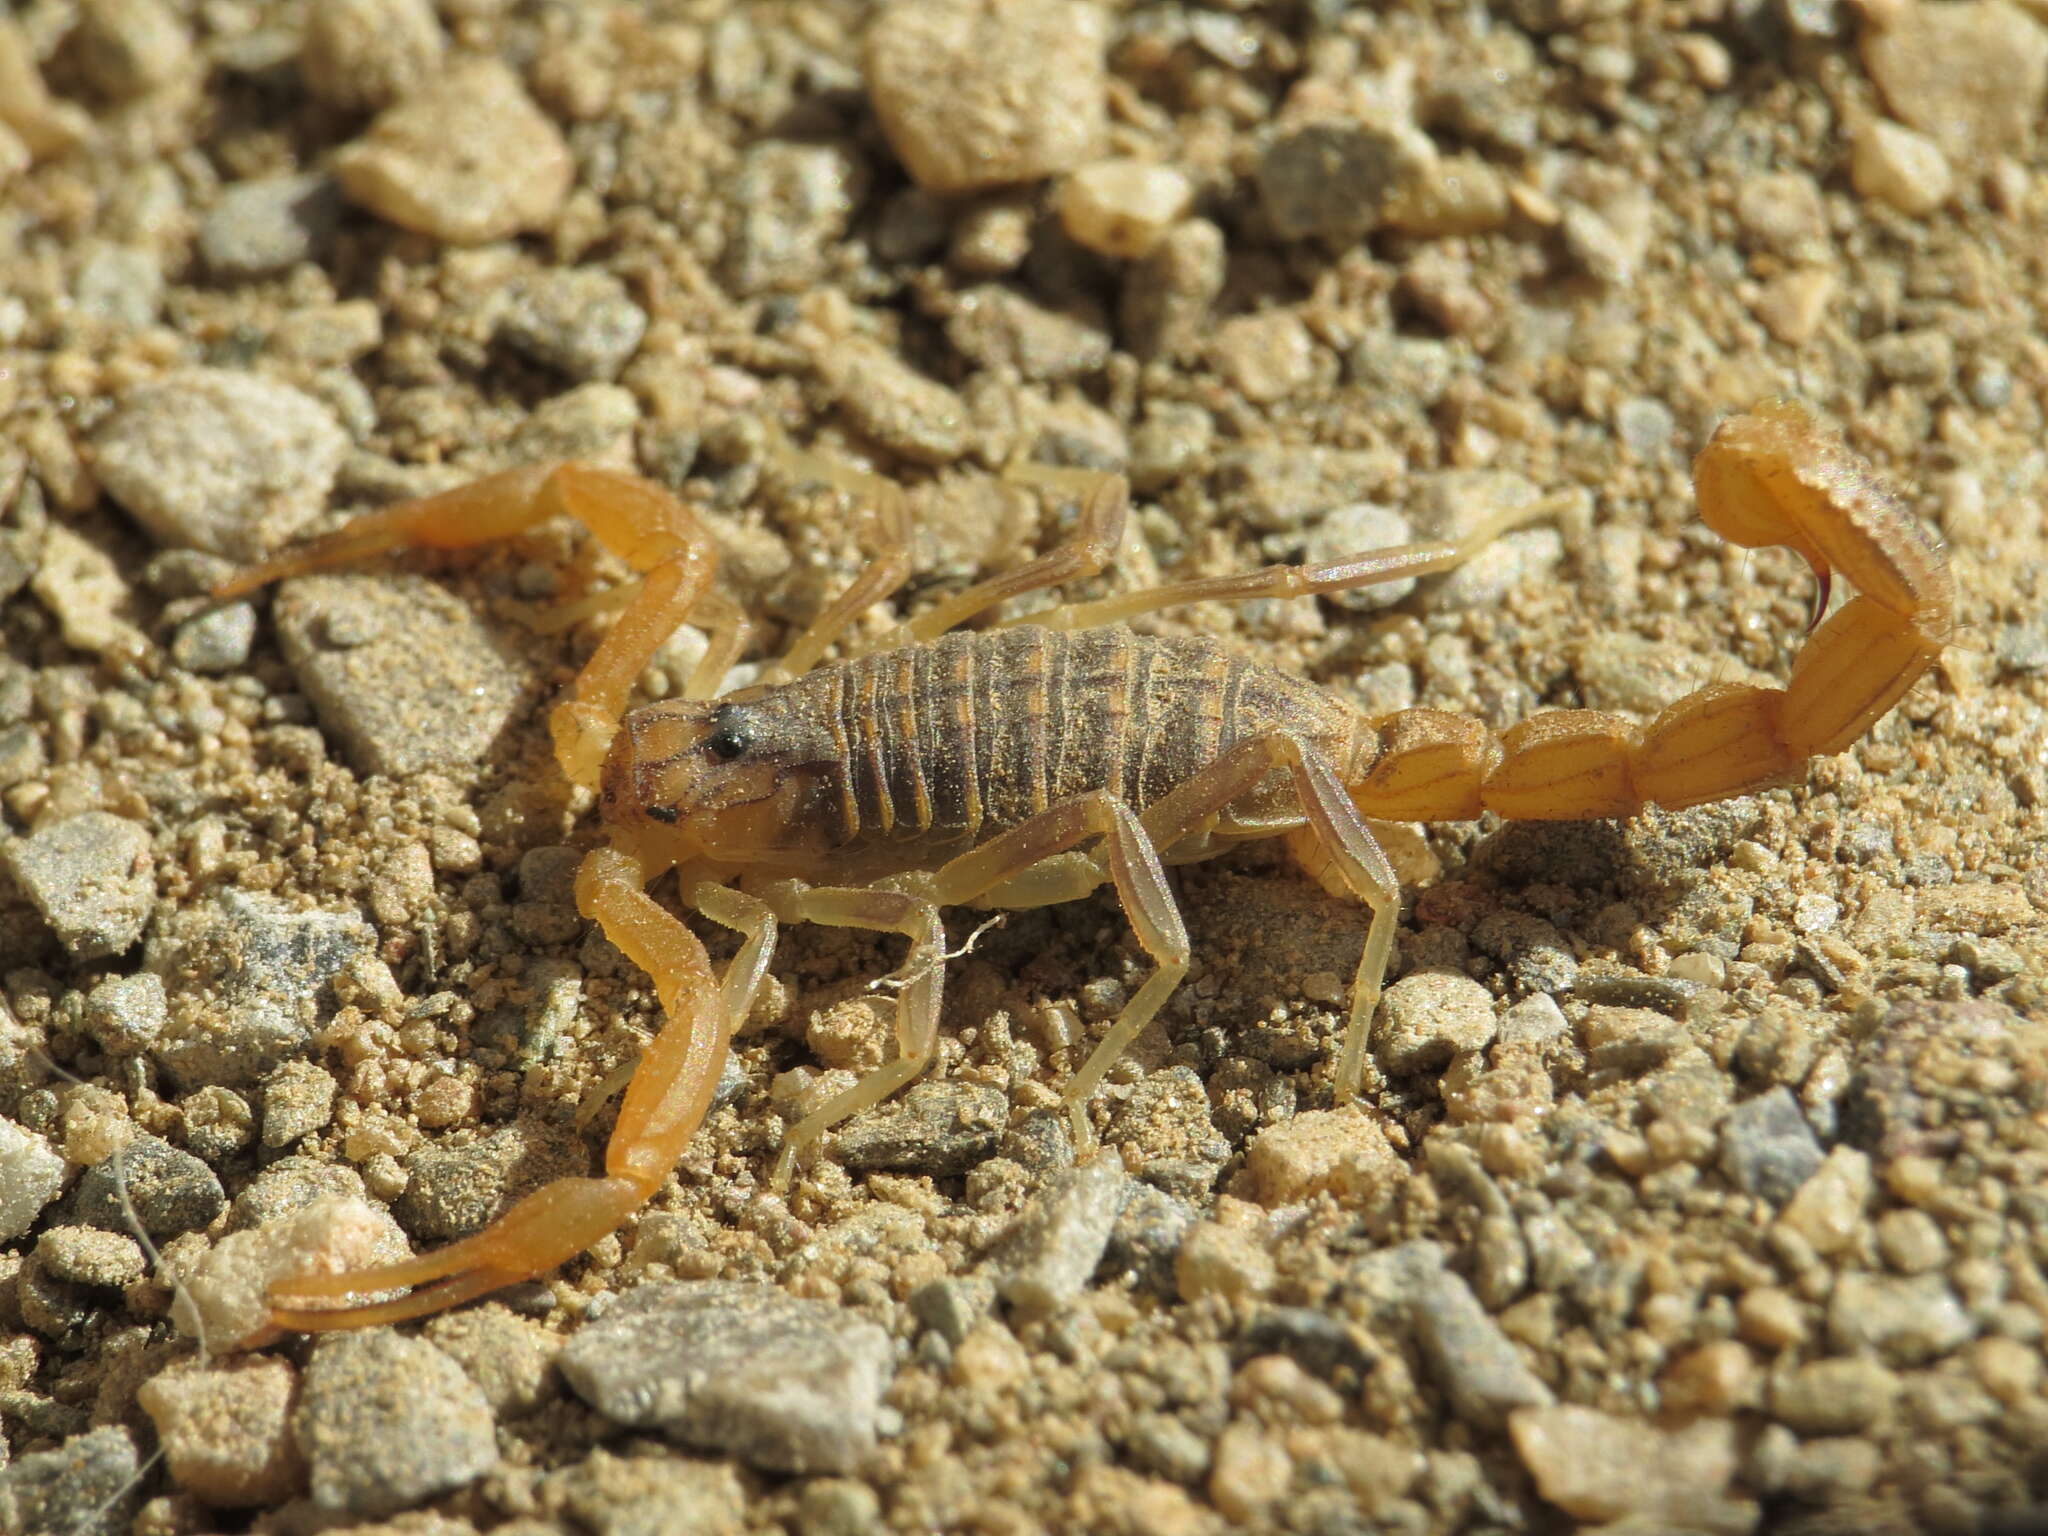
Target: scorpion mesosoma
{"x":1029,"y":762}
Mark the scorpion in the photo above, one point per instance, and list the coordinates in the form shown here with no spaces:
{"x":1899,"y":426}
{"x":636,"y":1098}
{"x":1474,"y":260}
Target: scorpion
{"x":1032,"y":760}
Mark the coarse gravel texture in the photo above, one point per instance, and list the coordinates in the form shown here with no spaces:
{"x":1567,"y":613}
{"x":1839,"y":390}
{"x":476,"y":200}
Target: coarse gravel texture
{"x":1701,"y":1177}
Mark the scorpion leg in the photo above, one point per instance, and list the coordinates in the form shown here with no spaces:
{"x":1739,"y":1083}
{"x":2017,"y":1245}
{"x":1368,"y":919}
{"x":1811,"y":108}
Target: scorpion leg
{"x":665,"y":1103}
{"x":917,"y":1001}
{"x":1334,"y":839}
{"x":887,"y":515}
{"x":635,"y":519}
{"x":1002,"y":872}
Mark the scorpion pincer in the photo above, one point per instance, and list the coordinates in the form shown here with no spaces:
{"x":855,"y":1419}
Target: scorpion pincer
{"x":1030,"y":761}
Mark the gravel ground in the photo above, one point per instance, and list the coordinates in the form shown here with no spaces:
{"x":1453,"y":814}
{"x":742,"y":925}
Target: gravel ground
{"x":1700,"y":1180}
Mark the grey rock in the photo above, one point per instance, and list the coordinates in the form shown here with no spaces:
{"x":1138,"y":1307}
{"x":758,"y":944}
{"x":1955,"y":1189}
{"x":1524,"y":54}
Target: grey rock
{"x":1431,"y":1017}
{"x":1767,"y":1148}
{"x":935,"y":1128}
{"x":914,"y":417}
{"x":119,"y":284}
{"x":264,"y":971}
{"x":217,"y":640}
{"x":1355,"y":529}
{"x":453,"y":1191}
{"x":291,"y":1184}
{"x":125,"y":1014}
{"x":1909,"y":1320}
{"x":404,"y":675}
{"x":951,"y":1307}
{"x":21,"y":755}
{"x":168,"y":1190}
{"x":1275,"y":489}
{"x":1334,"y":179}
{"x":578,"y":321}
{"x":298,"y":1099}
{"x":264,"y":226}
{"x":1411,"y":369}
{"x":93,"y":877}
{"x":1147,"y":1235}
{"x":793,"y":201}
{"x":1478,"y":1365}
{"x":31,"y":1177}
{"x":224,"y":461}
{"x":783,"y":1384}
{"x":1047,"y":1257}
{"x":90,"y":1256}
{"x":997,"y":326}
{"x":86,"y":1487}
{"x":640,"y":1496}
{"x":1161,"y":1444}
{"x":386,"y":1422}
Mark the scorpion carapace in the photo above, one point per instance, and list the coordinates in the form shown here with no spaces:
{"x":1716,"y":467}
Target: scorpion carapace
{"x":1031,"y":762}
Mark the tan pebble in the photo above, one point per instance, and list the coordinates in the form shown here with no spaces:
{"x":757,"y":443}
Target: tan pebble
{"x":1344,"y":1151}
{"x":1899,"y":167}
{"x":468,"y":159}
{"x":443,"y":1101}
{"x":1277,"y":1389}
{"x":1457,"y":195}
{"x":989,"y":1358}
{"x":1250,"y":1472}
{"x":1122,"y":208}
{"x":1714,"y":1378}
{"x":1601,"y":1466}
{"x":363,"y":55}
{"x":1971,"y":75}
{"x":1827,"y":1211}
{"x":981,"y":93}
{"x":226,"y":1430}
{"x":854,"y":1033}
{"x":1792,"y":306}
{"x":1707,"y":58}
{"x":1222,"y":1261}
{"x":1266,"y":357}
{"x":1771,"y":1318}
{"x":1833,"y":1397}
{"x":2009,"y":1370}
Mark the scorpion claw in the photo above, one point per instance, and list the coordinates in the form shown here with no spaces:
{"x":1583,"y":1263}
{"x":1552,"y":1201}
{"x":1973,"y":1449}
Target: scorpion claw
{"x":1823,"y":583}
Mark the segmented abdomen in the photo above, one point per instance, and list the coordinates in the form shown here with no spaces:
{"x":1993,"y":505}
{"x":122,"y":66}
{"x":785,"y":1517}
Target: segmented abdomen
{"x":956,"y":740}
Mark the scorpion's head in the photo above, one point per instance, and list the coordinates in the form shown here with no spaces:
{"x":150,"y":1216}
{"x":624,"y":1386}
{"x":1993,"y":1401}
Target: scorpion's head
{"x":740,"y":780}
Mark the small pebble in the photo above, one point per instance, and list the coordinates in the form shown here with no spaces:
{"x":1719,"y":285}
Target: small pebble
{"x":1249,"y":1473}
{"x":1827,"y":1210}
{"x":80,"y":584}
{"x":934,"y":1128}
{"x":1907,"y":1320}
{"x":1834,"y":1397}
{"x":1344,"y":1151}
{"x":167,"y":1190}
{"x":405,"y":676}
{"x":31,"y":1177}
{"x":740,"y":1369}
{"x":578,"y":321}
{"x":466,"y":159}
{"x":1897,"y":166}
{"x":88,"y":1486}
{"x":511,"y":1360}
{"x":125,"y":1014}
{"x":1047,"y":1258}
{"x":1267,"y":356}
{"x":794,"y":201}
{"x":225,"y":461}
{"x":1216,"y":1260}
{"x":92,"y":877}
{"x":226,"y":1430}
{"x":1427,"y":1019}
{"x":1477,"y":1365}
{"x":268,"y":225}
{"x":900,"y":409}
{"x":363,"y":55}
{"x":386,"y":1422}
{"x":264,"y":969}
{"x":298,"y":1099}
{"x":1793,"y":304}
{"x":1971,"y":76}
{"x":129,"y":48}
{"x":1122,"y":208}
{"x":88,"y":1256}
{"x":216,"y":641}
{"x":1336,"y":179}
{"x":1767,"y":1147}
{"x":973,"y":94}
{"x":1599,"y":1466}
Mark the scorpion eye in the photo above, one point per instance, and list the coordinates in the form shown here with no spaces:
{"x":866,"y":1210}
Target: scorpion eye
{"x":729,"y":736}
